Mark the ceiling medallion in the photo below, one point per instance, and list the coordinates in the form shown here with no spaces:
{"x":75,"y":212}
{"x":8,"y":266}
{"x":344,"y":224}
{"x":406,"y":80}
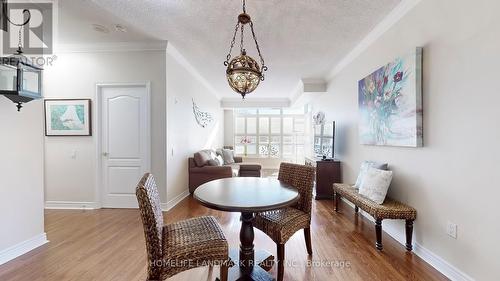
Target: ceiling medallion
{"x":243,"y":72}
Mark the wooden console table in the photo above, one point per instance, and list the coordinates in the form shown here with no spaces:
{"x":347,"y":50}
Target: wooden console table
{"x":327,"y":173}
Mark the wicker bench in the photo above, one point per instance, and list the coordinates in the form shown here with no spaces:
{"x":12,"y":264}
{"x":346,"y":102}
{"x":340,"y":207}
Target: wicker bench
{"x":390,"y":209}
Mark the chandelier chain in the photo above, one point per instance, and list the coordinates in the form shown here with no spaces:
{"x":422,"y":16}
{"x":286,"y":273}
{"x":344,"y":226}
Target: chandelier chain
{"x":19,"y":44}
{"x":241,"y":42}
{"x":243,"y":72}
{"x":263,"y":65}
{"x":228,"y":57}
{"x":25,"y":11}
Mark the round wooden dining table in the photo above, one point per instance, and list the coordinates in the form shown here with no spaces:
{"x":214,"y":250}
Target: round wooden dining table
{"x":247,"y":195}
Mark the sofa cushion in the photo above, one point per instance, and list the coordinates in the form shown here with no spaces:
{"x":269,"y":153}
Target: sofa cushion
{"x":202,"y":157}
{"x":228,"y":156}
{"x":250,"y":166}
{"x":219,"y":160}
{"x":213,"y":162}
{"x":216,"y":160}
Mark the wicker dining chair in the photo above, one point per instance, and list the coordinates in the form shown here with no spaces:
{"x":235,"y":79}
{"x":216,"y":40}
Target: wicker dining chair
{"x":179,"y":246}
{"x":281,"y":224}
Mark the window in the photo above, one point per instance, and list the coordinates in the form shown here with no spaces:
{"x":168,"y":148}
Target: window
{"x":270,"y":132}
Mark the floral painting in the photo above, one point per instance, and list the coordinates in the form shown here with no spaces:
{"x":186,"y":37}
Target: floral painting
{"x":390,"y":103}
{"x":67,"y":117}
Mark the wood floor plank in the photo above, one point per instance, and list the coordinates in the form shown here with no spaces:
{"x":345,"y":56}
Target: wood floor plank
{"x":108,"y":244}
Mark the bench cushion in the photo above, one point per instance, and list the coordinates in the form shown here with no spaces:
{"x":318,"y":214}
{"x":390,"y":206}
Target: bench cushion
{"x":390,"y":209}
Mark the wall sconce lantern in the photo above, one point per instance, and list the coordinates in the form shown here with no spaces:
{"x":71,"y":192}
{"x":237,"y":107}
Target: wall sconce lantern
{"x":20,"y":79}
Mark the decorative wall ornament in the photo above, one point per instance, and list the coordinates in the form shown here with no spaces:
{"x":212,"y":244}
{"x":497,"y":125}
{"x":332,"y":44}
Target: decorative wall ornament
{"x":68,"y":117}
{"x":202,"y":118}
{"x":319,"y":118}
{"x":390,"y":103}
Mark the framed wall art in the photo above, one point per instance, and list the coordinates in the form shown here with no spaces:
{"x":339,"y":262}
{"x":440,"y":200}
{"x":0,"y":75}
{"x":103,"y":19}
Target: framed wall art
{"x":68,"y":117}
{"x":390,"y":103}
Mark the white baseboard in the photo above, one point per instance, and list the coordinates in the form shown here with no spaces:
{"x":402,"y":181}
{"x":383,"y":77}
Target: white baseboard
{"x":428,"y":256}
{"x":22,"y":248}
{"x":71,"y":205}
{"x":176,"y":200}
{"x":440,"y":264}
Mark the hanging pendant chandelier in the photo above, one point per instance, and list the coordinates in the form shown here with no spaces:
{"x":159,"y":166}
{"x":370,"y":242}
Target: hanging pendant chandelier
{"x":243,"y":72}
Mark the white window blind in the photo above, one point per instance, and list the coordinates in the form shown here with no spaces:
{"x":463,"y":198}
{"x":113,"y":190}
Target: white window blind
{"x":270,"y":132}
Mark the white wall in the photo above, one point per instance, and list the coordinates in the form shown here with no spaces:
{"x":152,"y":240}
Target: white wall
{"x":74,"y":75}
{"x":21,"y":176}
{"x":455,"y":176}
{"x":184,"y":135}
{"x":228,"y":127}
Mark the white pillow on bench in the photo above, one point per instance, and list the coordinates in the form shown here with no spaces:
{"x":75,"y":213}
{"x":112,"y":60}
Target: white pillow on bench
{"x":364,"y":167}
{"x":375,"y":184}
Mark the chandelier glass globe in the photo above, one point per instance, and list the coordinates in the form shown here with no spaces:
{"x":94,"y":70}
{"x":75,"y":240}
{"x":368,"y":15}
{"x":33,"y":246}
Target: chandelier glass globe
{"x":243,"y":74}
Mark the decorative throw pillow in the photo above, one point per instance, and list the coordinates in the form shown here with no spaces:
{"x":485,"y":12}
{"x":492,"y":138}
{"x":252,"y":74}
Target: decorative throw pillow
{"x":218,"y":151}
{"x":375,"y":184}
{"x":213,"y":162}
{"x":201,"y":158}
{"x":219,"y":160}
{"x":364,"y":167}
{"x":228,"y":156}
{"x":212,"y":154}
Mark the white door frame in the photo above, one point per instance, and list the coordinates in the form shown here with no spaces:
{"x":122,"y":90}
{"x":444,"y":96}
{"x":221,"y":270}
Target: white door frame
{"x":98,"y":131}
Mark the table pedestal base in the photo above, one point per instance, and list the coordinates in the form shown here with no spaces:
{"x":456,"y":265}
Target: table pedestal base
{"x":264,"y":261}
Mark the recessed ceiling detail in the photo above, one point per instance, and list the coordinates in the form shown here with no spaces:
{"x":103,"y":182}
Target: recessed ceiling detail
{"x":85,"y":23}
{"x":120,"y":28}
{"x":100,"y":28}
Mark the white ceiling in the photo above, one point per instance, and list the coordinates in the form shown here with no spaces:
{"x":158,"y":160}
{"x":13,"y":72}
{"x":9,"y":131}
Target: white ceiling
{"x":300,"y":39}
{"x":75,"y":20}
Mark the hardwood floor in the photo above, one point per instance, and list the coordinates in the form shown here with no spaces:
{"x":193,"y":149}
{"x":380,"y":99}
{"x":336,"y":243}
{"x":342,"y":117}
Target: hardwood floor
{"x":108,"y":244}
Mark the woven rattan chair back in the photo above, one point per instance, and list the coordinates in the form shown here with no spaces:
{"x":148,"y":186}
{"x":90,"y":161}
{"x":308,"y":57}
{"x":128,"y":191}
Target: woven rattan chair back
{"x":302,"y":178}
{"x":152,"y":218}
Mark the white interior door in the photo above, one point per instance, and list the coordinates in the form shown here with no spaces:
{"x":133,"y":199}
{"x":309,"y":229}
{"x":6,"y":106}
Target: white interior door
{"x":125,"y":133}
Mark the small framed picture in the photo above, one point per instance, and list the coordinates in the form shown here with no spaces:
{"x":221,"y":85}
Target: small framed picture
{"x":68,"y":117}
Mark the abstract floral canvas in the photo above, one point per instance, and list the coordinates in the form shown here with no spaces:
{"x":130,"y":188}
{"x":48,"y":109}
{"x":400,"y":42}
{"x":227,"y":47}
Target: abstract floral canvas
{"x":67,"y":117}
{"x":390,"y":103}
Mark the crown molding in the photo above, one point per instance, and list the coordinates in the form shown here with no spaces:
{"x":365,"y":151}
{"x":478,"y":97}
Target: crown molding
{"x":314,"y":85}
{"x":111,"y":47}
{"x":229,"y":103}
{"x":389,"y":21}
{"x":174,"y":53}
{"x":307,"y":90}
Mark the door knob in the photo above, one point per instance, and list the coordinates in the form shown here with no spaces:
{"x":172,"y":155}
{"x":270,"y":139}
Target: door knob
{"x":105,"y":154}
